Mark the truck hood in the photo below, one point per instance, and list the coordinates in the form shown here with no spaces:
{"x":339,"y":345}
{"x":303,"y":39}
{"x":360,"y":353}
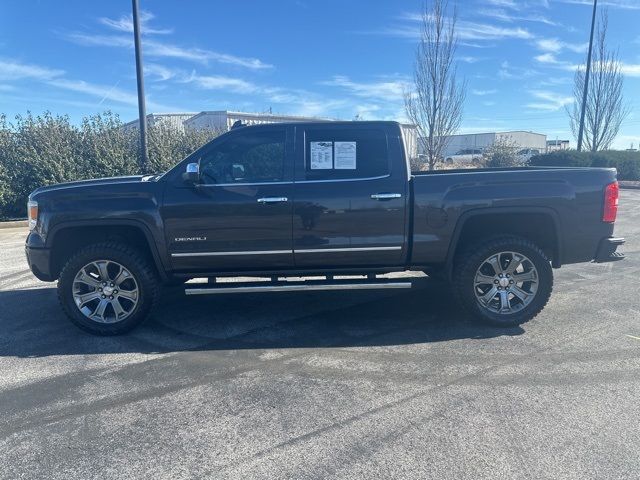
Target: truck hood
{"x":89,"y":183}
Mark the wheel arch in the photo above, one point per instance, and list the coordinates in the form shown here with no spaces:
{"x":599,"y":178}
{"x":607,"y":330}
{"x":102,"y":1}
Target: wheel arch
{"x":66,"y":238}
{"x":541,"y":225}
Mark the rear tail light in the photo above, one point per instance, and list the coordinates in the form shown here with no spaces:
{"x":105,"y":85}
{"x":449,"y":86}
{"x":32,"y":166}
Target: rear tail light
{"x":611,"y":193}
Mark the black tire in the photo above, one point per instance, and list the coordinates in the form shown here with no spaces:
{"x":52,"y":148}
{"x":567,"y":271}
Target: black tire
{"x":468,"y":264}
{"x":146,"y":283}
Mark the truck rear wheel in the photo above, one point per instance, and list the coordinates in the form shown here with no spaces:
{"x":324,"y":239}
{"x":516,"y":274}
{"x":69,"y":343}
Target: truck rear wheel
{"x":107,"y":288}
{"x":504,"y":281}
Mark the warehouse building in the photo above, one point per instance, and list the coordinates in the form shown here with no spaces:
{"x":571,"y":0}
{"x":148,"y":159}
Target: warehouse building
{"x":224,"y":119}
{"x":555,"y":145}
{"x":174,"y":120}
{"x":481,"y":141}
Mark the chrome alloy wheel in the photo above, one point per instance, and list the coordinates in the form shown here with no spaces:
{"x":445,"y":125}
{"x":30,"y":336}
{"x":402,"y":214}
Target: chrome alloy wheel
{"x":105,"y":291}
{"x":506,"y":282}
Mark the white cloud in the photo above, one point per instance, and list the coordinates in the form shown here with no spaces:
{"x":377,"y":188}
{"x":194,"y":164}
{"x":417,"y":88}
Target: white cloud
{"x":503,"y":15}
{"x":503,"y":3}
{"x":631,"y":70}
{"x":125,"y":24}
{"x":93,"y":40}
{"x":219,"y":82}
{"x":158,"y":72}
{"x":508,"y":72}
{"x":551,"y":101}
{"x":465,"y":30}
{"x":101,"y":91}
{"x":484,"y":92}
{"x":554,"y":81}
{"x":623,"y":4}
{"x":551,"y":60}
{"x":156,"y":48}
{"x":483,"y":31}
{"x":12,"y":70}
{"x":556,"y":46}
{"x":548,"y":58}
{"x":391,"y":89}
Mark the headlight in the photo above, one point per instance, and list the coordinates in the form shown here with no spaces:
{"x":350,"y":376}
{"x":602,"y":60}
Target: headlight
{"x":32,"y":211}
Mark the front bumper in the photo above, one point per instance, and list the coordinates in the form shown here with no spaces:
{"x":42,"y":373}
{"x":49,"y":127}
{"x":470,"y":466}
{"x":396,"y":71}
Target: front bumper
{"x":39,"y":260}
{"x":607,"y":250}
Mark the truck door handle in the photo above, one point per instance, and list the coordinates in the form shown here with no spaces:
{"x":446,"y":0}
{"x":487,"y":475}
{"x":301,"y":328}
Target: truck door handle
{"x":385,"y":196}
{"x":273,"y":199}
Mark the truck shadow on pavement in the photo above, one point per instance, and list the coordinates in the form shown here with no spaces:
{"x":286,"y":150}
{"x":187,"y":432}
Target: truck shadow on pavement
{"x":32,"y":323}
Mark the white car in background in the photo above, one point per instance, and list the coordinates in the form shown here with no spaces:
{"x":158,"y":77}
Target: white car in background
{"x":467,"y":155}
{"x":526,"y":153}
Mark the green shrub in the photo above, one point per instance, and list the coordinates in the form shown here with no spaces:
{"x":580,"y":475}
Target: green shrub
{"x":46,"y":149}
{"x":627,"y":163}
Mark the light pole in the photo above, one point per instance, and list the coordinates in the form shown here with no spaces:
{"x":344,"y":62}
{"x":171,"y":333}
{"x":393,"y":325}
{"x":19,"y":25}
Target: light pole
{"x":142,"y":111}
{"x":586,"y":78}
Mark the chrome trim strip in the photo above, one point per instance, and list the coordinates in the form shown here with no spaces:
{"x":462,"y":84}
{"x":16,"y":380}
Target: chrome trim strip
{"x":283,"y":252}
{"x":243,"y":184}
{"x":293,"y":288}
{"x":219,"y":254}
{"x":337,"y":180}
{"x":354,"y":249}
{"x":344,"y":179}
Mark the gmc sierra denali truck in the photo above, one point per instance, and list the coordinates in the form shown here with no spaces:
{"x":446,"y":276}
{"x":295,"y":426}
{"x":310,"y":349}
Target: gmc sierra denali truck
{"x":285,"y":202}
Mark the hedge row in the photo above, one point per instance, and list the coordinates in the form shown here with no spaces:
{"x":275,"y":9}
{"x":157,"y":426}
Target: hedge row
{"x":47,"y":149}
{"x":627,"y":163}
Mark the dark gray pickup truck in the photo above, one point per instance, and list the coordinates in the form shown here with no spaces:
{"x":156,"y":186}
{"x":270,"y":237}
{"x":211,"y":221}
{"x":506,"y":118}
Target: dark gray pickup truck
{"x":329,"y":200}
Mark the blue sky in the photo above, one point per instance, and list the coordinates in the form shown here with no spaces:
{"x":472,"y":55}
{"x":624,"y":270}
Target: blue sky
{"x":330,"y":58}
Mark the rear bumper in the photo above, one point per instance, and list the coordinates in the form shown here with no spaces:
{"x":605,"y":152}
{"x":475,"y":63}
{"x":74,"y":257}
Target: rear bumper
{"x":39,"y":260}
{"x":607,"y":250}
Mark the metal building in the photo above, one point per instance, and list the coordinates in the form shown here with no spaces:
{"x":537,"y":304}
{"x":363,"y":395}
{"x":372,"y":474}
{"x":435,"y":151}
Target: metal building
{"x":224,"y":119}
{"x":555,"y":145}
{"x":481,"y":141}
{"x":175,"y":120}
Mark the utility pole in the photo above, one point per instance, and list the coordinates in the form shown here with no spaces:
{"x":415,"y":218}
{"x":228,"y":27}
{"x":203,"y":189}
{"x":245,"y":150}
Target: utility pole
{"x":586,"y":78}
{"x":142,"y":110}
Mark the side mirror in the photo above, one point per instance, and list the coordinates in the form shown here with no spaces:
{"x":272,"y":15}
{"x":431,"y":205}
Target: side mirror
{"x":192,"y":173}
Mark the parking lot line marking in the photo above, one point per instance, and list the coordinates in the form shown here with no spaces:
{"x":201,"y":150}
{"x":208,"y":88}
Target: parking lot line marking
{"x":635,"y":338}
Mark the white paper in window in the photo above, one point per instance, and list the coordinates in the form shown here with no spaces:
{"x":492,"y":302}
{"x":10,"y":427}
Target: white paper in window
{"x":345,"y":155}
{"x":321,"y":155}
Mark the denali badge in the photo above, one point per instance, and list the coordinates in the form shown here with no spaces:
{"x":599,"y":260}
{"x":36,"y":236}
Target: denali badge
{"x":190,"y":239}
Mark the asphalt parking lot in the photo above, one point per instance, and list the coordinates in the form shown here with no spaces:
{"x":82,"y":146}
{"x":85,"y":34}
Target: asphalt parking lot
{"x":328,"y":384}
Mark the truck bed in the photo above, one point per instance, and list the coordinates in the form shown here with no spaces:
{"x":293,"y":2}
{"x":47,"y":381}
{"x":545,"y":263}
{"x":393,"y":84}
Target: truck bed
{"x":570,"y":200}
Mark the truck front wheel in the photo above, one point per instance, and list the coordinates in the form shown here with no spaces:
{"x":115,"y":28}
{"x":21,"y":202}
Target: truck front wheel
{"x":504,"y":281}
{"x":107,"y":288}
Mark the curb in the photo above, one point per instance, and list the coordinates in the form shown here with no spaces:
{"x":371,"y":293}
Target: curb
{"x":629,"y":185}
{"x":14,"y":224}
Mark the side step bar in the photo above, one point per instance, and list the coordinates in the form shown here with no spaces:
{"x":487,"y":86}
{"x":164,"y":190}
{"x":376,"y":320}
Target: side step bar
{"x":293,"y":287}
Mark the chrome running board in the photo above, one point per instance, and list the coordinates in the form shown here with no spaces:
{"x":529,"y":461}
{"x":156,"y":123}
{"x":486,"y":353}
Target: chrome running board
{"x":310,"y":285}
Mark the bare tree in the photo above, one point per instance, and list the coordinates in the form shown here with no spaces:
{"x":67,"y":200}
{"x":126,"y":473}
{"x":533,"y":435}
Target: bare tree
{"x":436,"y":103}
{"x":605,"y":109}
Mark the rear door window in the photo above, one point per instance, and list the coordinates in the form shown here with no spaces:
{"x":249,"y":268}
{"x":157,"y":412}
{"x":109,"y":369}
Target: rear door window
{"x":336,"y":154}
